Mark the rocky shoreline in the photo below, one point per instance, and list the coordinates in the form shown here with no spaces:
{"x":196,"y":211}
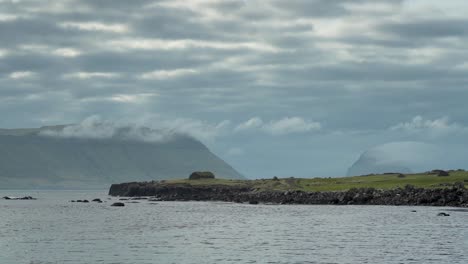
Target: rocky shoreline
{"x":456,"y":195}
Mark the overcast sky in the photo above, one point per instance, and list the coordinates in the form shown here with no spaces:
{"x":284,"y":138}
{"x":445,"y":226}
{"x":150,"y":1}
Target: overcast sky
{"x":287,"y":88}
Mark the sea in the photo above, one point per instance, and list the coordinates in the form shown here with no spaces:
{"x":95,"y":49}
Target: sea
{"x":52,"y":229}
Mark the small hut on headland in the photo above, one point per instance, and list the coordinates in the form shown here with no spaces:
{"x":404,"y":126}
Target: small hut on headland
{"x":197,"y":175}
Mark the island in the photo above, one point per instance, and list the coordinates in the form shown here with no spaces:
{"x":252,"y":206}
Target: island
{"x":432,"y":188}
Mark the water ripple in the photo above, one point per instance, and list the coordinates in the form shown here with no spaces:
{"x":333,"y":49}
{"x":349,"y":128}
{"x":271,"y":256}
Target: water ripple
{"x":53,"y":230}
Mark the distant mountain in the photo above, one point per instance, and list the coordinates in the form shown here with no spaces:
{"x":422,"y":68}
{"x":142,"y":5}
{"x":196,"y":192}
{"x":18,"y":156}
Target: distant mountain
{"x":62,"y":157}
{"x":370,"y":165}
{"x":402,"y":157}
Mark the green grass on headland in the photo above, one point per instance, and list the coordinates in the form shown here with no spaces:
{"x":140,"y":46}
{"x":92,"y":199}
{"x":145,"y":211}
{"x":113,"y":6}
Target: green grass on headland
{"x":377,"y":181}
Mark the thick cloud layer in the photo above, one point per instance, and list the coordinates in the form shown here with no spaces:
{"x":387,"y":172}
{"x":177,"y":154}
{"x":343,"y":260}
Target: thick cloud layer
{"x":277,"y":87}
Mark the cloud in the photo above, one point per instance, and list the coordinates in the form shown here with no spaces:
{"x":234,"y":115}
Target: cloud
{"x":287,"y":125}
{"x":95,"y":26}
{"x":167,"y":74}
{"x":159,"y":130}
{"x":418,"y":124}
{"x":290,"y":125}
{"x":89,"y":75}
{"x":184,"y":44}
{"x":253,"y":123}
{"x":133,"y":98}
{"x":66,"y":52}
{"x":96,"y":128}
{"x":400,"y":156}
{"x":22,"y":75}
{"x":428,"y":28}
{"x":360,"y":65}
{"x":199,"y":129}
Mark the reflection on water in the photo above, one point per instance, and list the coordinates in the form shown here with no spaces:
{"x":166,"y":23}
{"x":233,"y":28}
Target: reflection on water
{"x":53,"y":230}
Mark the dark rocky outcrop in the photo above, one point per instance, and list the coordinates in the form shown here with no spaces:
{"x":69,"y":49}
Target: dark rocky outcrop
{"x":440,"y":173}
{"x":455,"y":195}
{"x":118,"y":204}
{"x":197,"y":175}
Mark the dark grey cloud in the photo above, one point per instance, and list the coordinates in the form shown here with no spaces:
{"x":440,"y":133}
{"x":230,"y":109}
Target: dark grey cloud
{"x":314,"y":8}
{"x":431,"y":28}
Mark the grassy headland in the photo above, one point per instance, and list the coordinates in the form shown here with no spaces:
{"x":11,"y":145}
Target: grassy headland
{"x":384,"y":189}
{"x":377,"y":181}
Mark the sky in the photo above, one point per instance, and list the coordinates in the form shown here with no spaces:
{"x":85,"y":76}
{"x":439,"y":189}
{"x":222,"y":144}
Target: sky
{"x":275,"y":88}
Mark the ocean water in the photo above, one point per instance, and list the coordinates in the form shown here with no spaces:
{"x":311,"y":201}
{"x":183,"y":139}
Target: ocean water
{"x":54,"y":230}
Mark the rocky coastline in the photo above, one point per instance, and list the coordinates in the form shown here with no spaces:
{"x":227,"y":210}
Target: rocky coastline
{"x":455,"y":195}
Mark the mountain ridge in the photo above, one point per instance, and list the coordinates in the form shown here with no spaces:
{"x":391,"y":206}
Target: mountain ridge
{"x":30,"y":159}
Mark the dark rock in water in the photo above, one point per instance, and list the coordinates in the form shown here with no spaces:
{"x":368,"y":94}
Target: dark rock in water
{"x":82,"y":201}
{"x":413,"y":211}
{"x":139,"y":198}
{"x":118,"y":204}
{"x":19,"y":198}
{"x":253,"y":202}
{"x":443,"y":214}
{"x":123,"y":199}
{"x":97,"y":200}
{"x":85,"y":201}
{"x":72,"y":201}
{"x":197,"y":175}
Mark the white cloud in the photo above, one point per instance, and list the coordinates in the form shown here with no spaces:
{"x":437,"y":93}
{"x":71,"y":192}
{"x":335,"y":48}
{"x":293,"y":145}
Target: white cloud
{"x":89,"y":75}
{"x":163,"y":44}
{"x":290,"y":125}
{"x":96,"y":26}
{"x":91,"y":127}
{"x":419,"y":124}
{"x":287,"y":125}
{"x":66,"y":52}
{"x":7,"y":17}
{"x":3,"y":53}
{"x":50,"y":50}
{"x":202,"y":130}
{"x":132,"y":98}
{"x":155,"y":130}
{"x":253,"y":123}
{"x":167,"y":74}
{"x":22,"y":74}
